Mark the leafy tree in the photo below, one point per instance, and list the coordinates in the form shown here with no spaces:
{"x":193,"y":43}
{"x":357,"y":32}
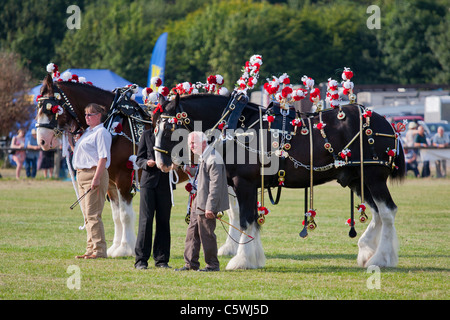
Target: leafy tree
{"x":33,"y":29}
{"x":438,"y":38}
{"x":406,"y":53}
{"x":314,"y":40}
{"x":313,"y":37}
{"x":15,"y":108}
{"x":123,"y":39}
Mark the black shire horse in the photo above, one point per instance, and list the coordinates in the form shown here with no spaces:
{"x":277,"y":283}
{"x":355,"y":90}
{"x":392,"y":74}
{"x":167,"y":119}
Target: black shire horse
{"x":337,"y":136}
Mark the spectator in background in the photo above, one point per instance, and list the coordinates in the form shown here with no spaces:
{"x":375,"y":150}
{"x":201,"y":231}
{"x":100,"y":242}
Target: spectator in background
{"x":32,"y":155}
{"x":411,"y":134}
{"x":48,"y":162}
{"x":420,"y":141}
{"x":411,"y":161}
{"x":18,"y":142}
{"x":440,"y":140}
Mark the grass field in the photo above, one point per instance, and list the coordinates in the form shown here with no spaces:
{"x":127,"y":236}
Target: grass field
{"x":39,"y":238}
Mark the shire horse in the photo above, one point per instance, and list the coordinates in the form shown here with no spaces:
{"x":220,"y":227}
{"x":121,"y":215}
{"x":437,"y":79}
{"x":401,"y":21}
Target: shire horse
{"x":73,"y":98}
{"x":377,"y":246}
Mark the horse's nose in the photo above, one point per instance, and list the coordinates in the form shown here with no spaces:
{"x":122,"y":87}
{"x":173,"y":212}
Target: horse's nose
{"x":42,"y":142}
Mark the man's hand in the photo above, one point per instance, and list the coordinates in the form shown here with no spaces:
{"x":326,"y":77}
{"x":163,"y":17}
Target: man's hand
{"x":95,"y":183}
{"x":151,"y":163}
{"x":209,"y":214}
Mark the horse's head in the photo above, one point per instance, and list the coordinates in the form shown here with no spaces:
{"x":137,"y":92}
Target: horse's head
{"x":198,"y":112}
{"x":50,"y":116}
{"x":168,"y":130}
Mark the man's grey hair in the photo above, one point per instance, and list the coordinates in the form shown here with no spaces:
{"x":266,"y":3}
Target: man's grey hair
{"x":197,"y":134}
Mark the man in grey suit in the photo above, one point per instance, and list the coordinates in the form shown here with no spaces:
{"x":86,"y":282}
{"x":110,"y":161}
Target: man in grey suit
{"x":211,"y":198}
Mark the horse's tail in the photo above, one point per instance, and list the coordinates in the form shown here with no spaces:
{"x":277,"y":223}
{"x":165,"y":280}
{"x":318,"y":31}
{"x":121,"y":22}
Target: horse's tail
{"x":399,"y":172}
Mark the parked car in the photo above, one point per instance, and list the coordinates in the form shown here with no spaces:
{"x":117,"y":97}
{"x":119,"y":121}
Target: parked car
{"x":408,"y":117}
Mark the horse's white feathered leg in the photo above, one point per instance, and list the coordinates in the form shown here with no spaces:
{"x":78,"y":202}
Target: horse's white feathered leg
{"x":127,"y":218}
{"x":386,"y":254}
{"x":118,"y":228}
{"x":124,"y":235}
{"x":368,"y":242}
{"x":230,"y":247}
{"x":249,"y":255}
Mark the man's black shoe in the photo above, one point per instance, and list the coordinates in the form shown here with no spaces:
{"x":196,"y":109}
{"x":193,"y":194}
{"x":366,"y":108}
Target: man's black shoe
{"x":184,"y":269}
{"x":140,"y":266}
{"x":207,"y":269}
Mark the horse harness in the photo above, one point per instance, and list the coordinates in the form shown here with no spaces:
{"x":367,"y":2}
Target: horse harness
{"x":121,"y":108}
{"x":284,"y":123}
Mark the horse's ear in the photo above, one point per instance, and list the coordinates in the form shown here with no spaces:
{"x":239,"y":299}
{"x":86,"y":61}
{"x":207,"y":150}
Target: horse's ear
{"x":47,"y":85}
{"x":177,"y":100}
{"x":161,"y":99}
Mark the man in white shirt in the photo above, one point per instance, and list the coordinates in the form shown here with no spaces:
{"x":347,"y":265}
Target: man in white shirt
{"x":91,"y":159}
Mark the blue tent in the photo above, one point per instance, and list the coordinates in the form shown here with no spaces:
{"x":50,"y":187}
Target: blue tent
{"x":102,"y":78}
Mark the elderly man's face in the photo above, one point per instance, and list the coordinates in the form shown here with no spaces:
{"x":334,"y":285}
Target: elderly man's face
{"x":196,"y":145}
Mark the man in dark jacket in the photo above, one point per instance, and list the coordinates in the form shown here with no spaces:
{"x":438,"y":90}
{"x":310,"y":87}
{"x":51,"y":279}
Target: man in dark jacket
{"x":156,"y":202}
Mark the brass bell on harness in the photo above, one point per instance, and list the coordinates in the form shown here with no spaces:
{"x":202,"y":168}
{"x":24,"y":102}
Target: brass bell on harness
{"x":261,"y":219}
{"x":363,"y":217}
{"x":312,"y":225}
{"x":341,"y":115}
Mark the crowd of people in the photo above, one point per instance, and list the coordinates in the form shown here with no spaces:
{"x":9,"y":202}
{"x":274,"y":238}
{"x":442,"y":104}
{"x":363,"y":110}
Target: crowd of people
{"x":415,"y":140}
{"x":27,"y":154}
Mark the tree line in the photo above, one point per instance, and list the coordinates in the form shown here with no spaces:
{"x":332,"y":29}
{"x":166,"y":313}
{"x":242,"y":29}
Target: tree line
{"x":316,"y":38}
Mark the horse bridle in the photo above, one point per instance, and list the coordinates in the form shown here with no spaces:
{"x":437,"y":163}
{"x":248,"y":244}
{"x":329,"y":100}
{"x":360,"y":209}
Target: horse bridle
{"x":180,"y":118}
{"x":47,"y":104}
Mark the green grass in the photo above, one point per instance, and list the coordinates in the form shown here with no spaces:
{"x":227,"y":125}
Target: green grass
{"x":39,"y":238}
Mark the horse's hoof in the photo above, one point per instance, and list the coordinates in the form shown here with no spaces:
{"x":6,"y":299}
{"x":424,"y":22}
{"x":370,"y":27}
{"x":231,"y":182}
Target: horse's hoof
{"x":120,"y":251}
{"x":111,"y":251}
{"x":124,"y":251}
{"x":227,"y":250}
{"x":383,"y":261}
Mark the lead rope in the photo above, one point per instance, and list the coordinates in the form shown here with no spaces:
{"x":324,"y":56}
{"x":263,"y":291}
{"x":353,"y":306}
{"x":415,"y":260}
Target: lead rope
{"x":173,"y":173}
{"x":72,"y":177}
{"x":362,"y":206}
{"x":311,"y":171}
{"x":308,"y":220}
{"x":361,"y":153}
{"x":136,"y":172}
